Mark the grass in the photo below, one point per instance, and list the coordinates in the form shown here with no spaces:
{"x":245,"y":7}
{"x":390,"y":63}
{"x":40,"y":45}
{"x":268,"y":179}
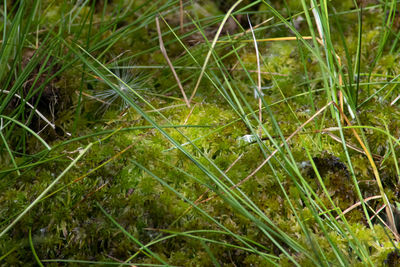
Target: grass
{"x":272,"y":144}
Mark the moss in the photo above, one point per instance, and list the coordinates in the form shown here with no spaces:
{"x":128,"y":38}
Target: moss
{"x":68,"y":225}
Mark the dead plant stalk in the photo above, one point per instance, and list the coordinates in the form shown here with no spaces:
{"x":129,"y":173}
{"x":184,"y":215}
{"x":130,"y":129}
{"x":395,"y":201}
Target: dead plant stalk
{"x":164,"y":52}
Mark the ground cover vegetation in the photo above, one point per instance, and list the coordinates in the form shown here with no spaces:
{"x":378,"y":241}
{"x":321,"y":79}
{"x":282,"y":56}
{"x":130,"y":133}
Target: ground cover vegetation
{"x":199,"y":133}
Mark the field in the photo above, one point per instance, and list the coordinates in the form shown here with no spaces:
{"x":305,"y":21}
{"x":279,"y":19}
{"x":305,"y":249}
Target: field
{"x":199,"y":133}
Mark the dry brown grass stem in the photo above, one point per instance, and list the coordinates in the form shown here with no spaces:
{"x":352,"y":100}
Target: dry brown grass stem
{"x":395,"y":233}
{"x":348,"y":144}
{"x":181,"y":14}
{"x":357,"y":205}
{"x":164,"y":52}
{"x":190,"y":113}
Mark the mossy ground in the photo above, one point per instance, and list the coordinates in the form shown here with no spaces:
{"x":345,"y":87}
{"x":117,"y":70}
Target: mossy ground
{"x":70,"y":225}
